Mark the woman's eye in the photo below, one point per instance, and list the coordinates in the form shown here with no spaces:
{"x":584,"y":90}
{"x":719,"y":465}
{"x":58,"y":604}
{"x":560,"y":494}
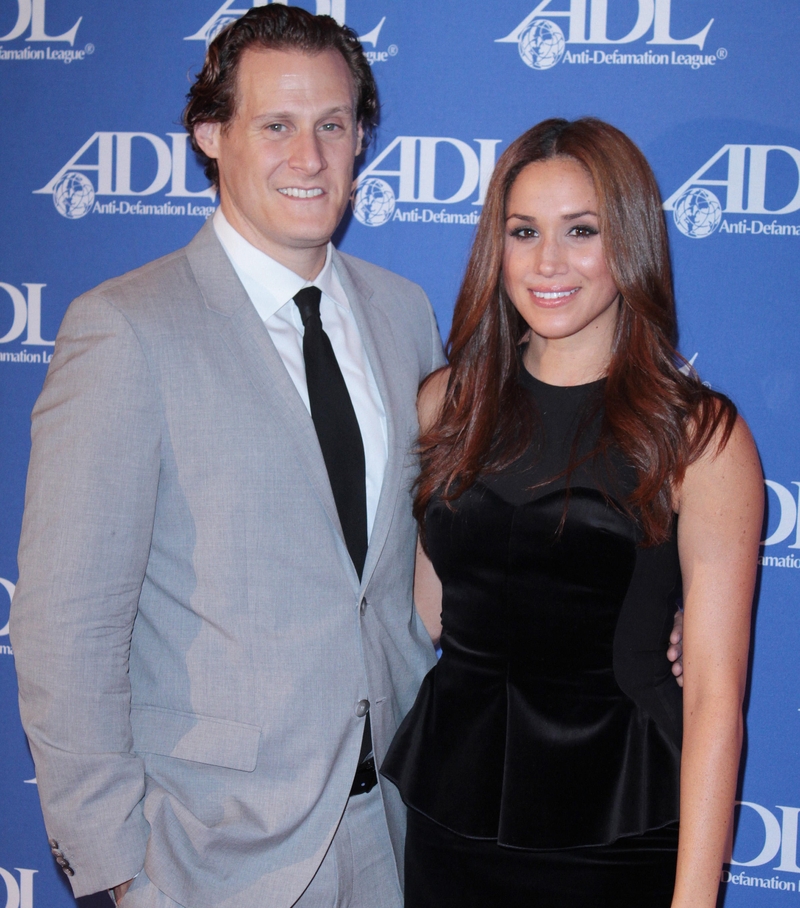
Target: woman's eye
{"x":523,"y":233}
{"x":584,"y":230}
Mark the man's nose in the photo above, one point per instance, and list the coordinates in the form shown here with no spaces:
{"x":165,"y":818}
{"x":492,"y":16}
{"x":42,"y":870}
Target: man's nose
{"x":306,"y":153}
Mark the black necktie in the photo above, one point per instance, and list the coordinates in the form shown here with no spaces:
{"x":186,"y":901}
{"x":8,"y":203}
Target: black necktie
{"x":337,"y":427}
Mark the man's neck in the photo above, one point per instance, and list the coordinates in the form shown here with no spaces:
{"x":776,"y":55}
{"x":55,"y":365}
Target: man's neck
{"x":305,"y":261}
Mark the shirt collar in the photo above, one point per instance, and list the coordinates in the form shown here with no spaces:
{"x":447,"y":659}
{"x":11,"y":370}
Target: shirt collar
{"x":269,"y":284}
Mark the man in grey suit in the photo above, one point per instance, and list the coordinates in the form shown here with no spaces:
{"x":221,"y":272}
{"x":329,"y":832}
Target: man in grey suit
{"x":200,"y":643}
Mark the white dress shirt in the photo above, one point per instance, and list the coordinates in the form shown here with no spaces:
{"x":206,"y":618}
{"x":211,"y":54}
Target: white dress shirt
{"x":272,"y":288}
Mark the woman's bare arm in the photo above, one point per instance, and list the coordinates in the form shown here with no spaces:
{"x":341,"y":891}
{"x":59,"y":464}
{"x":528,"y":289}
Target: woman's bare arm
{"x":428,"y":595}
{"x":427,"y":587}
{"x":721,"y":505}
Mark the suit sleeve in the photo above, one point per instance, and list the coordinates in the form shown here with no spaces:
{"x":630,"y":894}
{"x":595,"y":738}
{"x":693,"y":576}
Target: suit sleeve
{"x":87,"y":526}
{"x":437,"y":354}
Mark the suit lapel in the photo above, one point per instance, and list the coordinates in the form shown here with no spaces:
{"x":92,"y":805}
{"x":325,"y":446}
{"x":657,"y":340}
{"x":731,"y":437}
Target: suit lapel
{"x":250,"y":343}
{"x":378,"y":339}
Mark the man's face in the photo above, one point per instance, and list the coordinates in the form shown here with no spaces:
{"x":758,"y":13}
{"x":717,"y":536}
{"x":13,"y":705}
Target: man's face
{"x":286,"y":158}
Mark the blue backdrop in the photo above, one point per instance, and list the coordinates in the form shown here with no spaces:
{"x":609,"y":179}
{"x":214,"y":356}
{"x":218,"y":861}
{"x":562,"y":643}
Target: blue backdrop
{"x":100,"y":179}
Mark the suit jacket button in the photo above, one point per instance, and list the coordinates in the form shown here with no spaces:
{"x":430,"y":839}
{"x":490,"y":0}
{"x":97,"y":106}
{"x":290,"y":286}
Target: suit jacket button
{"x":52,"y":843}
{"x":363,"y":607}
{"x":69,"y":871}
{"x":362,"y":708}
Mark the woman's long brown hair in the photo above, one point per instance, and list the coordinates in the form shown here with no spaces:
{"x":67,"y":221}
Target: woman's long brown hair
{"x":660,"y":418}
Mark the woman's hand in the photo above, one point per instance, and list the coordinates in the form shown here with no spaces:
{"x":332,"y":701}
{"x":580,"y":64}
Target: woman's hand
{"x":119,"y":891}
{"x":675,"y":651}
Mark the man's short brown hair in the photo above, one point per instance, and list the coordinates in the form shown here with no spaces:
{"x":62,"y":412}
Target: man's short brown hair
{"x":212,"y":98}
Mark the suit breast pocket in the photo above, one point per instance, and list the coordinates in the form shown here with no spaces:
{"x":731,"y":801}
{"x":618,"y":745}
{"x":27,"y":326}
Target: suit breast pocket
{"x":201,"y":739}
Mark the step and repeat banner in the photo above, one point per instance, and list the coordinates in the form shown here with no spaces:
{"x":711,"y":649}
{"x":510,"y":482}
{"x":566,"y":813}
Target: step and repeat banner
{"x":99,"y":178}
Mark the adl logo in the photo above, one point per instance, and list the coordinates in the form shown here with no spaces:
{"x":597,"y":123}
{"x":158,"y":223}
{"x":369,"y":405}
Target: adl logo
{"x":115,"y":153}
{"x":698,"y":212}
{"x":32,"y":13}
{"x":27,"y":313}
{"x":334,"y":8}
{"x":375,"y":200}
{"x":9,"y":587}
{"x":778,"y":836}
{"x":542,"y":43}
{"x":18,"y":894}
{"x":788,"y":524}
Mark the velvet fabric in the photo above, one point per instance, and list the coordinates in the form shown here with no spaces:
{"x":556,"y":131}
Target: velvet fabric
{"x":552,"y":719}
{"x":445,"y":870}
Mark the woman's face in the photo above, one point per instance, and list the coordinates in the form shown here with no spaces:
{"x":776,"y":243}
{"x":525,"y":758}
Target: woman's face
{"x":554,"y":268}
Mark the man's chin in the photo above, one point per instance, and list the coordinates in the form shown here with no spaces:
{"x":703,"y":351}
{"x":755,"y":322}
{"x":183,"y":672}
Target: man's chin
{"x":312,"y":219}
{"x":310,"y":235}
{"x":307,"y":241}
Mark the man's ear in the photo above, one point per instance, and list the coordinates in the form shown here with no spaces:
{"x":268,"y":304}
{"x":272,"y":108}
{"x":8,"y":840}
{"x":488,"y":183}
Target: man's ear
{"x":206,"y":135}
{"x":360,"y":139}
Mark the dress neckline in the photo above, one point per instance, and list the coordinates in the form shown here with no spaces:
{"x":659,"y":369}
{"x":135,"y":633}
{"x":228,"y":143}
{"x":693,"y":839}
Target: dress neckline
{"x":533,"y":383}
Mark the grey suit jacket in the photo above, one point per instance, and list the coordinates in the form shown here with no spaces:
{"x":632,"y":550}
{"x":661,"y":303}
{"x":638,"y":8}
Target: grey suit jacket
{"x":190,"y":634}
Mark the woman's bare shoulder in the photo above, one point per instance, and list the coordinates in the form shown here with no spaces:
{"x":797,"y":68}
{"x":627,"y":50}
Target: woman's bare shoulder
{"x":431,"y":397}
{"x":727,"y":475}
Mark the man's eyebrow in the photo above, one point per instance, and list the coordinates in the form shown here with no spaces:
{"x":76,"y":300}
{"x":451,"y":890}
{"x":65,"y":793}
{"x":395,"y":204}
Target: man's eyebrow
{"x":347,"y":110}
{"x":341,"y":109}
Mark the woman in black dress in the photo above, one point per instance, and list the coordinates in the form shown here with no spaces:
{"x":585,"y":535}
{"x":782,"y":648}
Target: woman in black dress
{"x":577,"y":481}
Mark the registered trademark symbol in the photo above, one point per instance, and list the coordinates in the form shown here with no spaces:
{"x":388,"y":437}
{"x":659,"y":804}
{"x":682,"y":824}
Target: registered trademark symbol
{"x":393,"y":49}
{"x":89,"y":48}
{"x":722,"y":53}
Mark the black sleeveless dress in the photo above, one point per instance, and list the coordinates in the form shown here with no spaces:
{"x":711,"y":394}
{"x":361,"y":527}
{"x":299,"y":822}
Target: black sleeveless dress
{"x":541,"y":758}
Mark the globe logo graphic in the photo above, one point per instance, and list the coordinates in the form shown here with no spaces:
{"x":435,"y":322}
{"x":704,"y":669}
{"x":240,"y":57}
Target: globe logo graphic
{"x":373,"y":202}
{"x":697,"y":213}
{"x":542,"y":44}
{"x":73,"y":195}
{"x":217,"y":27}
